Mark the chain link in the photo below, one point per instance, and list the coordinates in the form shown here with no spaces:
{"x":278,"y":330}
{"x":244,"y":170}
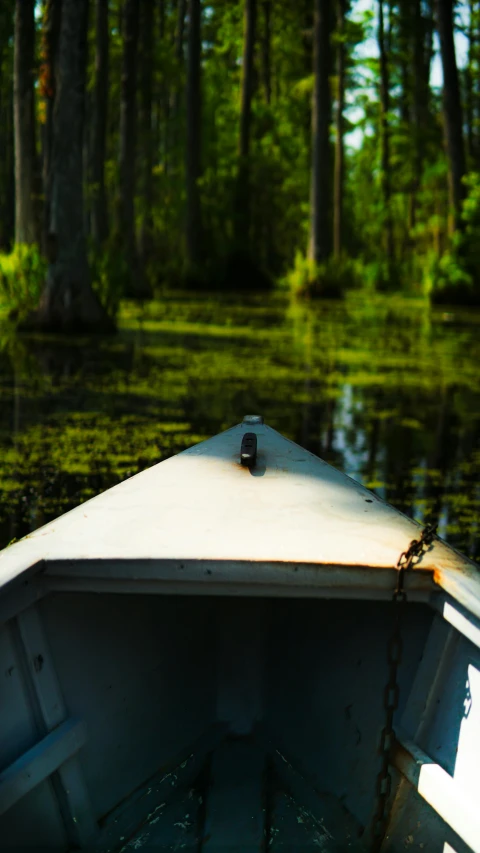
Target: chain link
{"x":383,"y":787}
{"x":407,"y":558}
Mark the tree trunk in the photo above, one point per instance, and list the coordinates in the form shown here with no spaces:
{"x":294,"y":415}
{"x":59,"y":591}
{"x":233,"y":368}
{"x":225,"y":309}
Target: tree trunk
{"x":247,"y":77}
{"x":7,"y":146}
{"x":175,"y":91}
{"x":7,"y":172}
{"x":385,"y":136}
{"x":128,"y":145}
{"x":418,"y":107}
{"x":162,"y":95}
{"x":405,"y":12}
{"x":68,"y":302}
{"x":193,"y":158}
{"x":406,"y":36}
{"x":339,"y":132}
{"x":87,"y":121}
{"x":24,"y":114}
{"x":180,"y":29}
{"x":422,"y":56}
{"x":469,"y":87}
{"x":99,"y":220}
{"x":452,"y":109}
{"x":175,"y":87}
{"x":266,"y":226}
{"x":266,"y":50}
{"x":242,"y":212}
{"x":146,"y":85}
{"x":320,"y":232}
{"x":50,"y":38}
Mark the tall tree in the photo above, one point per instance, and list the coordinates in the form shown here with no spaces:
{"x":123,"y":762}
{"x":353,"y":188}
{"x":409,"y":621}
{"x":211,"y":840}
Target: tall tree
{"x":267,"y":49}
{"x":176,"y":87}
{"x":339,"y":170}
{"x":180,"y":29}
{"x":242,"y":211}
{"x":50,"y":38}
{"x":68,"y":302}
{"x":452,"y":108}
{"x":147,"y":21}
{"x":403,"y":38}
{"x":320,"y":232}
{"x":193,"y":153}
{"x":422,"y":56}
{"x":469,"y":85}
{"x":99,"y":221}
{"x":162,"y":93}
{"x":24,"y":112}
{"x":265,"y":228}
{"x":128,"y":144}
{"x":161,"y":18}
{"x":385,"y":133}
{"x":472,"y":86}
{"x":7,"y":160}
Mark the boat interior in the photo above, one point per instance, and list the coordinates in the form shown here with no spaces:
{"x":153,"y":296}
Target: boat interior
{"x":217,"y":723}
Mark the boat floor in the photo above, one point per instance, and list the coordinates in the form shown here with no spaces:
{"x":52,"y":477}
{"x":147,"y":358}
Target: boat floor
{"x":239,"y":803}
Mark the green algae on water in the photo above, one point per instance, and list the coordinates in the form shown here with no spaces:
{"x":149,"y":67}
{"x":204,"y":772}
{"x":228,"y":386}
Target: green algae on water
{"x":382,"y":387}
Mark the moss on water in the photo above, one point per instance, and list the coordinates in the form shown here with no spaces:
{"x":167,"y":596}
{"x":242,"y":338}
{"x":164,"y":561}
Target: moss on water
{"x":385,"y":388}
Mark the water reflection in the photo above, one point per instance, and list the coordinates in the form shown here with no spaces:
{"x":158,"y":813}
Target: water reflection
{"x":381,"y":388}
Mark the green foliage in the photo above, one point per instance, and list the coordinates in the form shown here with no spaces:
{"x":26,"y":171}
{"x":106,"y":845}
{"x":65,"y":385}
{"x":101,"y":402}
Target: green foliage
{"x":23,"y":272}
{"x":279,"y":160}
{"x":377,"y":275}
{"x":109,"y":276}
{"x":328,"y":280}
{"x":22,"y":277}
{"x":446,"y":280}
{"x":454,"y":277}
{"x":364,"y":379}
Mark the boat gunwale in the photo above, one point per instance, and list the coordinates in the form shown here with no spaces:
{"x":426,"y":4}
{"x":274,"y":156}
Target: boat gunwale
{"x":262,"y":579}
{"x":447,"y":570}
{"x":208,"y":577}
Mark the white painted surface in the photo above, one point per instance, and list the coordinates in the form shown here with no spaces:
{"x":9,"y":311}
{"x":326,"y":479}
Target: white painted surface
{"x":202,"y":504}
{"x":49,"y":708}
{"x":465,"y":624}
{"x":467,"y":765}
{"x":455,"y":803}
{"x":40,"y":762}
{"x":441,"y":758}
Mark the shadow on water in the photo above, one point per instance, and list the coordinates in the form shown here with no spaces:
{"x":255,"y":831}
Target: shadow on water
{"x":381,"y":389}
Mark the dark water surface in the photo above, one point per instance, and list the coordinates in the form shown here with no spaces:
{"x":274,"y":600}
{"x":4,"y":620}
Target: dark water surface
{"x":382,"y":388}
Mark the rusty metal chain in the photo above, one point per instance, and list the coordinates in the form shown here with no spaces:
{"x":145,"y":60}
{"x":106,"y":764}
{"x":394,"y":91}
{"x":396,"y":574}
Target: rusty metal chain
{"x":383,"y":787}
{"x":406,"y":559}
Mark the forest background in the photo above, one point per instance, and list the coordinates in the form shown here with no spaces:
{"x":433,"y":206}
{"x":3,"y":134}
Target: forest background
{"x":235,"y":144}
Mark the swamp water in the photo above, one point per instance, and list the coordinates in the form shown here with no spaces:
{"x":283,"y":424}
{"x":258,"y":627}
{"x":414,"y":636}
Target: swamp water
{"x":385,"y":389}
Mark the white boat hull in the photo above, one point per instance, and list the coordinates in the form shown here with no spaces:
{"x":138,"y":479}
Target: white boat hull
{"x":218,"y":694}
